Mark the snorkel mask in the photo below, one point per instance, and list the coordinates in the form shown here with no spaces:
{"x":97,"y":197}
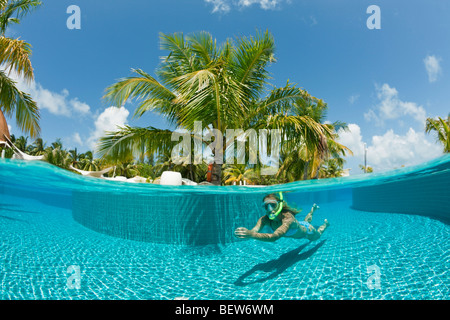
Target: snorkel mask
{"x":274,"y":207}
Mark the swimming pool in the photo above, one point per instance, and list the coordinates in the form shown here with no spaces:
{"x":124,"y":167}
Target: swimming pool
{"x":64,"y":236}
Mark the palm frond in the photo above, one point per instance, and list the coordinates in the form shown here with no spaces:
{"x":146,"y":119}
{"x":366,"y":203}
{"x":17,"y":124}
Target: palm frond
{"x":180,"y":59}
{"x":15,"y":54}
{"x":441,"y":128}
{"x":12,"y":11}
{"x":280,"y":100}
{"x":15,"y":101}
{"x":129,"y":141}
{"x":204,"y":47}
{"x":250,"y":59}
{"x":141,"y":87}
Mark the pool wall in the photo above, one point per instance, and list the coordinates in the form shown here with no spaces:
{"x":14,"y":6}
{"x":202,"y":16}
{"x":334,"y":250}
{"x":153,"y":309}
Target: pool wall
{"x":424,"y":194}
{"x":54,"y":197}
{"x":185,"y":219}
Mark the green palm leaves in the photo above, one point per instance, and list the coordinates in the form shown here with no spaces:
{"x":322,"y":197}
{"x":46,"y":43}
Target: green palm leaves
{"x":15,"y":56}
{"x":442,"y":129}
{"x":223,"y":86}
{"x":198,"y":81}
{"x":238,"y":174}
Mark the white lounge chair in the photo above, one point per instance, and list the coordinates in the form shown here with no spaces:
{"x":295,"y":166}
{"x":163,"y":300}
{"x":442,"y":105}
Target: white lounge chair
{"x":188,"y":182}
{"x":96,"y":174}
{"x":137,"y":179}
{"x":19,"y":154}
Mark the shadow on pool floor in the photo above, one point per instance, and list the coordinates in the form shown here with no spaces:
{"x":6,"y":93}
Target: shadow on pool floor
{"x":278,"y":265}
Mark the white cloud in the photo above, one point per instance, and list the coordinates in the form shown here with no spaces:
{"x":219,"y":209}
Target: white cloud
{"x":225,"y":6}
{"x":79,"y":106}
{"x":56,"y":103}
{"x":108,"y":120}
{"x":73,"y":141}
{"x":77,"y":138}
{"x":352,"y":139}
{"x":390,"y":150}
{"x":221,"y":6}
{"x":264,"y":4}
{"x":390,"y":107}
{"x":433,"y":67}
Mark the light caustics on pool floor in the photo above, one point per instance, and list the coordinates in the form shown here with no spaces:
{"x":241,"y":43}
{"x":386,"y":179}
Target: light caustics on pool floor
{"x":150,"y":242}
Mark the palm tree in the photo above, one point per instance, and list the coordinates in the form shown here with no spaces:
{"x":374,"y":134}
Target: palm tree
{"x":221,"y":86}
{"x":75,"y":156}
{"x":82,"y":161}
{"x":367,"y":169}
{"x":125,"y":169}
{"x":164,"y":162}
{"x":239,"y":173}
{"x":89,"y":164}
{"x":442,"y":129}
{"x":38,"y":147}
{"x":15,"y":56}
{"x":146,"y":170}
{"x":300,"y":159}
{"x":331,"y":168}
{"x":21,"y":143}
{"x":333,"y":160}
{"x":58,"y":157}
{"x":57,"y":144}
{"x":55,"y":154}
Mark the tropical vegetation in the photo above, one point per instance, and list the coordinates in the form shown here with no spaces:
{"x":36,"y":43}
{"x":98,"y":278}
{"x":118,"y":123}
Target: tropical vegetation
{"x":15,"y":57}
{"x":59,"y":156}
{"x":225,"y":87}
{"x":441,"y":127}
{"x":366,"y":169}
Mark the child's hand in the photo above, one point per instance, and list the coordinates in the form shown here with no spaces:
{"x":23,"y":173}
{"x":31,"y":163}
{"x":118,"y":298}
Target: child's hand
{"x":315,"y":206}
{"x":243,"y":233}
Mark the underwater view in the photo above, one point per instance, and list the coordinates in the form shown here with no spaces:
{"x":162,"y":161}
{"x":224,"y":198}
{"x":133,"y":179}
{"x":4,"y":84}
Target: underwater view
{"x":64,"y":236}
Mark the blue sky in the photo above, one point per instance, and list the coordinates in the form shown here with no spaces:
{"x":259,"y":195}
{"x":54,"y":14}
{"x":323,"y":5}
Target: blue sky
{"x":382,"y":82}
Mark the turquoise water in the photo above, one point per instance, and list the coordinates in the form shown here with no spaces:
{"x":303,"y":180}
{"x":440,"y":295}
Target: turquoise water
{"x":159,"y":242}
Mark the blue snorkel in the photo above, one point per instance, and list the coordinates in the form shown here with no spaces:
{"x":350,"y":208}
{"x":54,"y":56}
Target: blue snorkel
{"x":278,"y":208}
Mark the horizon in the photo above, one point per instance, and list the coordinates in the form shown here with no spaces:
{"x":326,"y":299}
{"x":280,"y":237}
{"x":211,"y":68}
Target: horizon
{"x":382,"y":82}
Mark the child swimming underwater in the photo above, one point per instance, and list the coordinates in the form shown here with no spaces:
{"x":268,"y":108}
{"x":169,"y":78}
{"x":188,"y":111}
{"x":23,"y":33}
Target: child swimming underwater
{"x":281,"y":218}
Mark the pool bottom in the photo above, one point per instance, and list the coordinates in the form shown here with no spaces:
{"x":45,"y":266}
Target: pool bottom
{"x":362,"y":255}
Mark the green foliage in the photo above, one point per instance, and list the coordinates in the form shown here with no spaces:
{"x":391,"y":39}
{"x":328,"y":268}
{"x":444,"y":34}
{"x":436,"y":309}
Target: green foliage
{"x":441,"y":128}
{"x":225,"y":87}
{"x":15,"y":56}
{"x":367,"y":169}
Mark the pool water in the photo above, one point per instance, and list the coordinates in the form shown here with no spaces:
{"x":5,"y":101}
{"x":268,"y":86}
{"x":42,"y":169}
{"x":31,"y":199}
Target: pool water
{"x":46,"y":254}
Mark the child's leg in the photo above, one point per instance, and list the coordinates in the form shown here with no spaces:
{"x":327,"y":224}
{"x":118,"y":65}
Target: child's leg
{"x":322,"y":228}
{"x":309,"y":216}
{"x":318,"y":233}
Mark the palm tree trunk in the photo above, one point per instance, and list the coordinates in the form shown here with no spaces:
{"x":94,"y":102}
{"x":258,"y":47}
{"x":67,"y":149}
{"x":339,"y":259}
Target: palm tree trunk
{"x":316,"y":176}
{"x":305,"y":170}
{"x":216,"y":174}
